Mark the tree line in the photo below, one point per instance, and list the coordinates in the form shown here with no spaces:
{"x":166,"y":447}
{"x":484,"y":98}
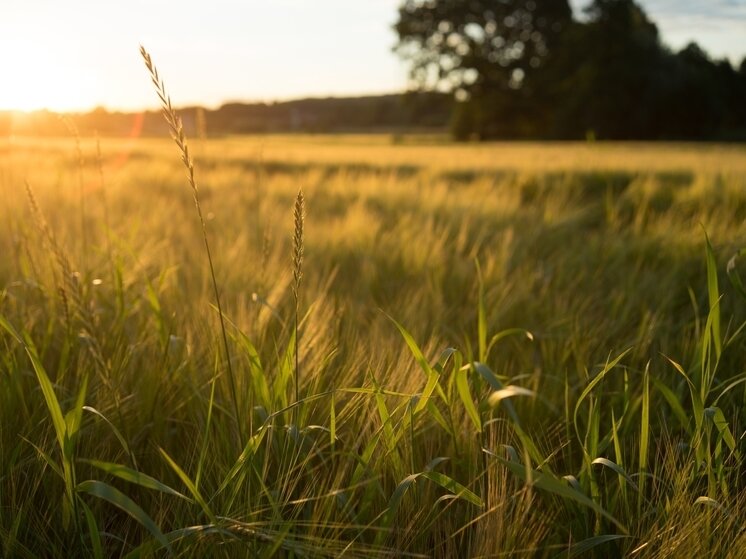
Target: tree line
{"x":530,"y":69}
{"x":395,"y":113}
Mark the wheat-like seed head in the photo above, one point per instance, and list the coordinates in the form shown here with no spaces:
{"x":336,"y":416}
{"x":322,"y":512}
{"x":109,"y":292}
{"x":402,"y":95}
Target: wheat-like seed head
{"x":299,"y":211}
{"x":173,"y":120}
{"x":41,"y":223}
{"x":71,"y":290}
{"x":299,"y":217}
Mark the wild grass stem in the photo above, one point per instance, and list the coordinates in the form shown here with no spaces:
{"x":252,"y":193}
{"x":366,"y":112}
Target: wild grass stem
{"x":299,"y":218}
{"x":177,"y":133}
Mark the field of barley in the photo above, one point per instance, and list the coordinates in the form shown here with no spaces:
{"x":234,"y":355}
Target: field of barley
{"x":502,"y":350}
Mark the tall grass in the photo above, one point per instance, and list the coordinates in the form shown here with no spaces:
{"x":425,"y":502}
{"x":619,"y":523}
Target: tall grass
{"x":579,"y":392}
{"x":299,"y":214}
{"x":179,"y":137}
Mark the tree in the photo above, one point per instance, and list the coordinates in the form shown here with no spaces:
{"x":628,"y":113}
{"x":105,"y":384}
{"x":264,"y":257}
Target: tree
{"x":611,"y":73}
{"x":526,"y":69}
{"x":491,"y":54}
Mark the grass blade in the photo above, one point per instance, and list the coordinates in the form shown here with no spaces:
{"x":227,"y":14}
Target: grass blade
{"x":53,"y":405}
{"x":462,"y":386}
{"x":550,"y":484}
{"x":453,"y":486}
{"x":413,"y":347}
{"x":713,"y":293}
{"x":583,"y":547}
{"x":93,"y":532}
{"x":122,"y":501}
{"x":133,"y":476}
{"x":190,"y":485}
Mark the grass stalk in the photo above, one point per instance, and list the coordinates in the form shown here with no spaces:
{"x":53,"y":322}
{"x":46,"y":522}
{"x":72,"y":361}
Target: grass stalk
{"x":299,"y":218}
{"x":177,"y":132}
{"x":75,"y":133}
{"x":104,"y":200}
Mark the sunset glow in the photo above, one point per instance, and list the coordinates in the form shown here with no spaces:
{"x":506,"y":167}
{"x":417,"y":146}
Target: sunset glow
{"x":37,"y":77}
{"x":81,"y":54}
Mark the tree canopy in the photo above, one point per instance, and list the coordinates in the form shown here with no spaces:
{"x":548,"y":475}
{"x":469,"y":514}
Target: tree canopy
{"x":529,"y":69}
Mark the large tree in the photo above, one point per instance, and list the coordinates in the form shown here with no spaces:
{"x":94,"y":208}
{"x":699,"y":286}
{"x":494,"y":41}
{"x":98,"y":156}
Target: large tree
{"x":492,"y":54}
{"x":526,"y":69}
{"x":612,"y":73}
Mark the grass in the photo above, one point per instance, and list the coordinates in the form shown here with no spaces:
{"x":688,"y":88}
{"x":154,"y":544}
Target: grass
{"x":519,"y":350}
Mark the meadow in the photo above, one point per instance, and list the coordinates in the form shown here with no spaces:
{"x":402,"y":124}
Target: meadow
{"x":503,"y":350}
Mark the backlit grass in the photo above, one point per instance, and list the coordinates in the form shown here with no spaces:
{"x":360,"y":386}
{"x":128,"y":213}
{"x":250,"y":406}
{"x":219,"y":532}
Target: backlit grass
{"x":517,"y":349}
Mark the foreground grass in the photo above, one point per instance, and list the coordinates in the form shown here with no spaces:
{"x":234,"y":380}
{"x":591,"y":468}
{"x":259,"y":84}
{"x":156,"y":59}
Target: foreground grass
{"x":494,"y":359}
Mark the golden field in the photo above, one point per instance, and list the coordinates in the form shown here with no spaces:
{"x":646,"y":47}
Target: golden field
{"x":507,"y":349}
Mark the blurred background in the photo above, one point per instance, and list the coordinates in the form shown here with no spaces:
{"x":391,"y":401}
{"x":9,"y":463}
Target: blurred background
{"x":476,"y":70}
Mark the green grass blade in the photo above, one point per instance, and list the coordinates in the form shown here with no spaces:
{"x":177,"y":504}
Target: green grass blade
{"x":47,"y":459}
{"x":398,"y":494}
{"x":453,"y":486}
{"x":615,"y":468}
{"x":74,"y":417}
{"x":550,"y":484}
{"x":581,"y":548}
{"x":645,"y":420}
{"x":505,"y":334}
{"x":462,"y":386}
{"x":486,"y":373}
{"x":53,"y":405}
{"x":122,"y":501}
{"x":285,"y":374}
{"x":413,"y":347}
{"x":8,"y":327}
{"x":481,"y":318}
{"x":208,"y":423}
{"x":721,"y":424}
{"x":189,"y":485}
{"x":713,"y":293}
{"x":427,"y":392}
{"x":249,"y":450}
{"x":148,"y":548}
{"x":332,"y":421}
{"x":697,"y":405}
{"x":133,"y":476}
{"x":93,"y":532}
{"x":597,"y":379}
{"x":674,"y":404}
{"x":117,"y":433}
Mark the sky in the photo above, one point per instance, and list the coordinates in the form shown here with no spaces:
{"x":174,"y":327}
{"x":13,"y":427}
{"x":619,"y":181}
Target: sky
{"x":74,"y":55}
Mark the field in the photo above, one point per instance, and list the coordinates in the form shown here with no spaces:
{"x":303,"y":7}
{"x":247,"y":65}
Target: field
{"x":504,"y":350}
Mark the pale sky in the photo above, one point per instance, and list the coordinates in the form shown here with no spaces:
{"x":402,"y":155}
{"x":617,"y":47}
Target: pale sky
{"x":77,"y":54}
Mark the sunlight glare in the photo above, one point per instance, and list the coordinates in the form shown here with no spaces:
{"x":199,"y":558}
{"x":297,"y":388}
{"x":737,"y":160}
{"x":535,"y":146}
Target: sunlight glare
{"x":37,"y":77}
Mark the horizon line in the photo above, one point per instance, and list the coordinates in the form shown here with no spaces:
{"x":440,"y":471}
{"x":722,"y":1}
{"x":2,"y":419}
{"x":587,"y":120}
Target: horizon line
{"x":211,"y":106}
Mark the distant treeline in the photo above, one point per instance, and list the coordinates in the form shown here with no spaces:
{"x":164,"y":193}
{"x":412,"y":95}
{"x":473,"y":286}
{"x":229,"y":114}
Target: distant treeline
{"x":409,"y":112}
{"x":531,"y":69}
{"x":512,"y":69}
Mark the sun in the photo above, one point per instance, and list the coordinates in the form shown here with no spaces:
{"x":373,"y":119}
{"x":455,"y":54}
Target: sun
{"x":36,"y":76}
